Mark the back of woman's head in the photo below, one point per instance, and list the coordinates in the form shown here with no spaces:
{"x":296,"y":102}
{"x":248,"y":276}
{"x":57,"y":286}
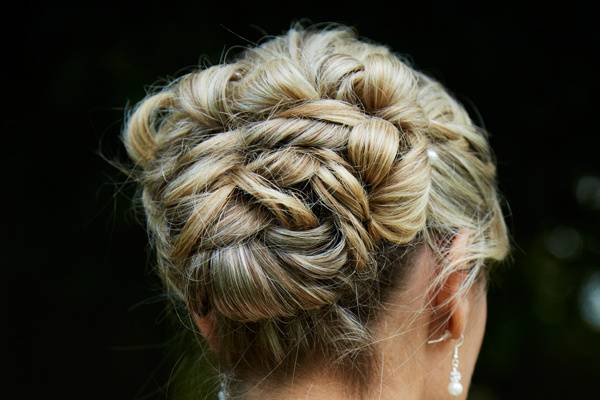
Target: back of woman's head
{"x":286,"y":190}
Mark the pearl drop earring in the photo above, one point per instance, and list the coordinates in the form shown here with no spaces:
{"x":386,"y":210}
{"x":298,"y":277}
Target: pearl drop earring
{"x":455,"y":388}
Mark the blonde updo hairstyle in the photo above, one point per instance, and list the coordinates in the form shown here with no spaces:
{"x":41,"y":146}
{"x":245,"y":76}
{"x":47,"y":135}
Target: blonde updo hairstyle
{"x":285,"y":192}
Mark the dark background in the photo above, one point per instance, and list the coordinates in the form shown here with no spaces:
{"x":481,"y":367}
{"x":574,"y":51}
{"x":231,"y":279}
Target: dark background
{"x":98,"y":328}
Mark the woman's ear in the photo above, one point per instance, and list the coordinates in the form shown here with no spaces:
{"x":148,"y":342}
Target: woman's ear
{"x":451,"y":308}
{"x":206,"y":325}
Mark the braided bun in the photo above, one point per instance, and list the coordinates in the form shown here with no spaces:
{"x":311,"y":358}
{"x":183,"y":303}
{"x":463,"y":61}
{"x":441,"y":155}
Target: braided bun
{"x":274,"y":184}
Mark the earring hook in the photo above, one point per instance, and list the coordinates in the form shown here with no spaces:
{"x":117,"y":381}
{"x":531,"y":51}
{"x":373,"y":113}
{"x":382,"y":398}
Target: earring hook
{"x":461,"y":340}
{"x":445,"y":336}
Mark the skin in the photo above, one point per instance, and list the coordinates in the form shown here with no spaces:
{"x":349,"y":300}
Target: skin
{"x":412,"y":369}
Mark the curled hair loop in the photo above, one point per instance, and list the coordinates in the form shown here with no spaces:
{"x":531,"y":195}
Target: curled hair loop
{"x":287,"y":191}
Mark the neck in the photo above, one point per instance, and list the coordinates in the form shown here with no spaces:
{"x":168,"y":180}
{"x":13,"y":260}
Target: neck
{"x":322,"y":388}
{"x":401,"y":377}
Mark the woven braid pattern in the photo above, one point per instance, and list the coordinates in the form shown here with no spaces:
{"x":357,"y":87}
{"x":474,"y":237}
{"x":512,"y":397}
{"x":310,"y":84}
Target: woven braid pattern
{"x":270,"y":182}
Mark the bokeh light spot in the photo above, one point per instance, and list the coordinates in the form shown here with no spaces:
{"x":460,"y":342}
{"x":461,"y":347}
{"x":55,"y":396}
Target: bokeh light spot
{"x":587,"y":191}
{"x":590,"y":300}
{"x":563,"y":242}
